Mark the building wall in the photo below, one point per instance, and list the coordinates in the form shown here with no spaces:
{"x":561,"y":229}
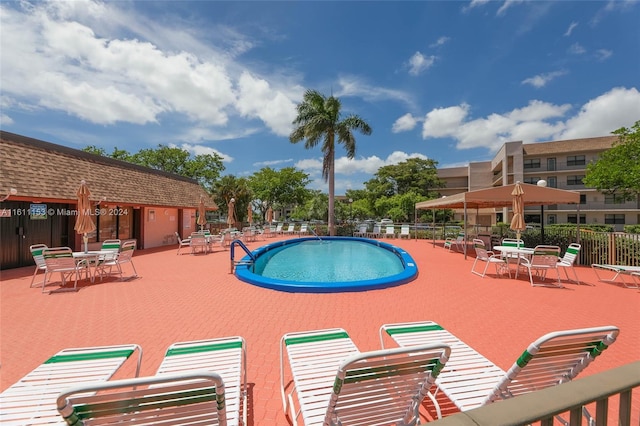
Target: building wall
{"x":162,"y":223}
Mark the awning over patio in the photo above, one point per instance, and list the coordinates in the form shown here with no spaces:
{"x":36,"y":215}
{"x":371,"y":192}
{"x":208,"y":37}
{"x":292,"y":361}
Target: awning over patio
{"x":500,"y":196}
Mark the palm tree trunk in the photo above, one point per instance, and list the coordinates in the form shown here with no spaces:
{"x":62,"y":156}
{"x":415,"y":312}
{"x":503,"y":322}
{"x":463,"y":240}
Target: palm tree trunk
{"x":332,"y":211}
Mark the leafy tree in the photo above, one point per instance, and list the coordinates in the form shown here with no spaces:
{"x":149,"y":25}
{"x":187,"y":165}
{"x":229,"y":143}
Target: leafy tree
{"x":319,"y":119}
{"x":618,"y":169}
{"x":205,"y":168}
{"x":278,"y":188}
{"x":229,"y":187}
{"x":413,"y":175}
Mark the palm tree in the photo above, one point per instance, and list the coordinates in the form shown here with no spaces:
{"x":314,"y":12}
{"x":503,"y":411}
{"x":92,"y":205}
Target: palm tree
{"x":319,"y":119}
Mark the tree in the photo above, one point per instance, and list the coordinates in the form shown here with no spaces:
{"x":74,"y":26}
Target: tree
{"x":205,"y":168}
{"x":413,"y":175}
{"x":278,"y":188}
{"x":229,"y":187}
{"x":617,"y":171}
{"x":319,"y":119}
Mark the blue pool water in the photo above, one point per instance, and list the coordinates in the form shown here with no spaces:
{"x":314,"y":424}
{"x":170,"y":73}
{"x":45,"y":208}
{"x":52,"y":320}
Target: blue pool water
{"x":332,"y":264}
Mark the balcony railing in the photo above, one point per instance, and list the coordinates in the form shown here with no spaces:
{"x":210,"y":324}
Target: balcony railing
{"x":566,"y":400}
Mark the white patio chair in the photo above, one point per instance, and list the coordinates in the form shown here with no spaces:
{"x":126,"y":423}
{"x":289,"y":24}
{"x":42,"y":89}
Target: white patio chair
{"x":405,"y":232}
{"x":36,"y":251}
{"x":568,"y":261}
{"x":60,"y":259}
{"x":489,"y":257}
{"x":32,"y":400}
{"x":470,"y":380}
{"x":290,"y":229}
{"x":544,"y":259}
{"x":362,"y":231}
{"x":336,"y":384}
{"x":375,"y":233}
{"x":303,"y":229}
{"x":198,"y":243}
{"x":182,"y":242}
{"x":459,"y":242}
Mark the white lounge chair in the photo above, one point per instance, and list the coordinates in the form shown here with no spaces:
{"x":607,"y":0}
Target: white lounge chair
{"x":303,"y":229}
{"x":490,"y":258}
{"x":619,"y":271}
{"x":470,"y":380}
{"x":362,"y":231}
{"x":405,"y":232}
{"x":390,"y":231}
{"x":375,"y":233}
{"x":336,"y":384}
{"x":290,"y":229}
{"x":32,"y":400}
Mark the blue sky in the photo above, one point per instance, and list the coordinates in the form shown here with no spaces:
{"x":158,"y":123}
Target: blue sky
{"x":451,"y":81}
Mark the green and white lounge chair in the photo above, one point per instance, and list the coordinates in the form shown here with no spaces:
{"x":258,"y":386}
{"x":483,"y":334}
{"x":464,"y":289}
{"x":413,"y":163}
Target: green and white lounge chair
{"x":336,"y":384}
{"x":225,"y":356}
{"x":470,"y":380}
{"x":32,"y":400}
{"x":196,"y":398}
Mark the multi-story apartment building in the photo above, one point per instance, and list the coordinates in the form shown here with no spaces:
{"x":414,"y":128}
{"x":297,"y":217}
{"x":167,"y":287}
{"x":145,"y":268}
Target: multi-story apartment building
{"x":561,"y":164}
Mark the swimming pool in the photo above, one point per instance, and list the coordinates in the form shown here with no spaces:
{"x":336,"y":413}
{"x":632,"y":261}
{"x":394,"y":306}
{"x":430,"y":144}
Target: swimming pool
{"x":328,"y":265}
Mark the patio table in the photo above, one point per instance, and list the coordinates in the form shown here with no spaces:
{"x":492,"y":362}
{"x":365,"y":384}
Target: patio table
{"x":92,"y":257}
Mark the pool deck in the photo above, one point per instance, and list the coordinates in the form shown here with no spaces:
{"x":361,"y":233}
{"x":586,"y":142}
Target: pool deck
{"x":189,"y":297}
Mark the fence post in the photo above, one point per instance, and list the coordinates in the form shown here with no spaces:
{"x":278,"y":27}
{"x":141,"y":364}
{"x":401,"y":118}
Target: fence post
{"x":611,"y":248}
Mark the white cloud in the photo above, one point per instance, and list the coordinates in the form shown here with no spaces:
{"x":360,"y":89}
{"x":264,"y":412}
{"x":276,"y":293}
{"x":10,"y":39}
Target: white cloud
{"x":441,"y":41}
{"x":577,"y":49}
{"x":535,"y":122}
{"x":541,"y":80}
{"x":443,"y":122}
{"x":404,"y":123}
{"x":66,"y":59}
{"x":507,"y":4}
{"x":474,"y":4}
{"x":419,"y":63}
{"x":353,"y":86}
{"x":346,"y":166}
{"x":204,"y":150}
{"x":572,"y":26}
{"x":619,"y":107}
{"x":603,"y":54}
{"x":272,"y":163}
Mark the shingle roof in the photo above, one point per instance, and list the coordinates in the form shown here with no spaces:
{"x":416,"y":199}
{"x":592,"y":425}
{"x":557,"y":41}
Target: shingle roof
{"x":573,"y":145}
{"x":42,"y":170}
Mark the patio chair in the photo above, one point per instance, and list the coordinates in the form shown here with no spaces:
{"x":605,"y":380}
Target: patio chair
{"x":111,"y":245}
{"x":182,"y":242}
{"x":336,"y":384}
{"x":375,"y":233}
{"x":105,"y":267}
{"x":568,"y":261}
{"x":544,"y":259}
{"x":278,"y":229}
{"x":405,"y":232}
{"x":470,"y":380}
{"x":60,"y":259}
{"x":303,"y":229}
{"x":198,"y":243}
{"x":185,"y":399}
{"x":489,"y":257}
{"x":458,"y":242}
{"x":620,"y":271}
{"x":362,"y":231}
{"x":290,"y":229}
{"x":225,"y":356}
{"x":389,"y":231}
{"x":36,"y":251}
{"x":32,"y":400}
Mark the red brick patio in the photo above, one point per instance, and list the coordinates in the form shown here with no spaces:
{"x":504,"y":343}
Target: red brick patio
{"x":189,"y":297}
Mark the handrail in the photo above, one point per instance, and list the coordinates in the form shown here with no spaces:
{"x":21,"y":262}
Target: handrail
{"x":246,"y":250}
{"x":314,"y":233}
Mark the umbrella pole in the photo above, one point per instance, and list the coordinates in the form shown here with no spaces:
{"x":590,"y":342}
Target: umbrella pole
{"x":85,"y":238}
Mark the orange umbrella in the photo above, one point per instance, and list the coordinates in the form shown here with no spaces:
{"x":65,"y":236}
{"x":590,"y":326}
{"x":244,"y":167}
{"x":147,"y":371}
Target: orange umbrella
{"x":269,"y":215}
{"x":517,"y":222}
{"x":202,"y":219}
{"x":84,"y":223}
{"x":231,"y":213}
{"x":250,"y":214}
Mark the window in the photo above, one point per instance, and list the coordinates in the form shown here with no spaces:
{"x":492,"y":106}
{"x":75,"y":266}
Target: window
{"x":551,"y":219}
{"x":551,"y":164}
{"x":576,"y":160}
{"x":575,"y":180}
{"x":572,"y":218}
{"x":532,"y":164}
{"x":613,"y":199}
{"x":583,"y":198}
{"x":552,"y":182}
{"x":614,"y":219}
{"x":531,"y":180}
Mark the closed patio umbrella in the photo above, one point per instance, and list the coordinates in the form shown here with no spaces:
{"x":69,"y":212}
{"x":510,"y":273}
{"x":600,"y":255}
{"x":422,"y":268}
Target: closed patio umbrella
{"x":269,"y":215}
{"x":231,"y":213}
{"x":250,"y":214}
{"x":84,"y":222}
{"x":517,"y":222}
{"x":202,"y":219}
